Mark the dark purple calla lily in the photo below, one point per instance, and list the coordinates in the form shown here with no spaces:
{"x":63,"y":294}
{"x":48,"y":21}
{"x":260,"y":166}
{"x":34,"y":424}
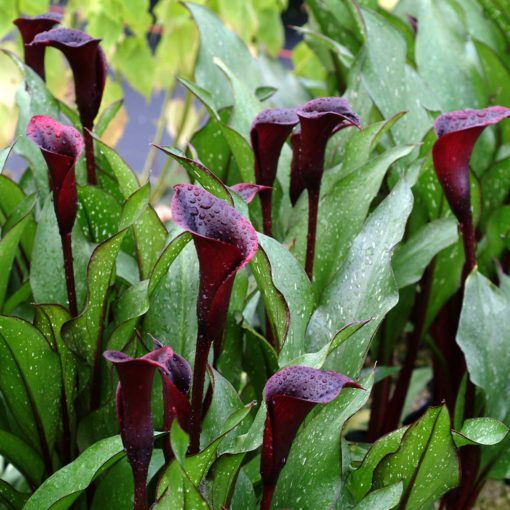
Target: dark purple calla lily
{"x":225,"y":242}
{"x":248,"y":191}
{"x":134,"y":415}
{"x":29,"y":27}
{"x":88,"y":63}
{"x":134,"y":411}
{"x":61,"y":146}
{"x":269,"y":130}
{"x":319,"y":119}
{"x":176,"y":373}
{"x":290,"y":395}
{"x":457,"y":134}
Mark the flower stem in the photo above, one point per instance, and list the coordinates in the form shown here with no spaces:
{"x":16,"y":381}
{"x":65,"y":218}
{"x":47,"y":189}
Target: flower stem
{"x":140,"y":479}
{"x":419,"y":315}
{"x":313,"y":210}
{"x":197,"y":392}
{"x":266,"y":197}
{"x":69,"y":272}
{"x":89,"y":155}
{"x":267,"y":497}
{"x":469,"y":239}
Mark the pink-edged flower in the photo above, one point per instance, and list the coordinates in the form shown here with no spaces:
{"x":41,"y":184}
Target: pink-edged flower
{"x":61,"y":147}
{"x":248,"y":191}
{"x":318,"y":120}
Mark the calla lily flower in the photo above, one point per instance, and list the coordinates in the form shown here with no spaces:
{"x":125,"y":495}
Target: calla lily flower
{"x":457,"y":134}
{"x":318,"y":119}
{"x":29,"y":27}
{"x":290,"y":395}
{"x":60,"y":146}
{"x":225,"y":242}
{"x":88,"y":63}
{"x":134,"y":414}
{"x":248,"y":191}
{"x":269,"y":130}
{"x":176,"y":373}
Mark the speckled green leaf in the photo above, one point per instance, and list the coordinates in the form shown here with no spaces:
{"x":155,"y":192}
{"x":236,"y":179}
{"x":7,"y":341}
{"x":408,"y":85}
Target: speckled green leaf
{"x":33,"y":98}
{"x":360,"y":481}
{"x":426,"y":461}
{"x":8,"y":249}
{"x":342,"y":211}
{"x":149,"y":233}
{"x":47,"y":277}
{"x":65,"y":486}
{"x":98,"y":213}
{"x":482,"y":431}
{"x":412,"y":258}
{"x":22,"y":456}
{"x":172,"y":314}
{"x":364,"y":287}
{"x":30,"y":381}
{"x":218,"y":41}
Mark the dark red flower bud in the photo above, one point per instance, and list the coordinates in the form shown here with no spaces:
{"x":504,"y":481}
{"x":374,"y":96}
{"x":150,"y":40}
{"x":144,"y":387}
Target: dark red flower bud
{"x":268,"y":133}
{"x":61,"y":146}
{"x":297,"y":185}
{"x":457,"y":134}
{"x":319,"y":119}
{"x":248,"y":191}
{"x":29,"y":27}
{"x":176,"y":373}
{"x":290,"y":395}
{"x":134,"y":414}
{"x":87,"y":62}
{"x":269,"y":130}
{"x":225,"y":242}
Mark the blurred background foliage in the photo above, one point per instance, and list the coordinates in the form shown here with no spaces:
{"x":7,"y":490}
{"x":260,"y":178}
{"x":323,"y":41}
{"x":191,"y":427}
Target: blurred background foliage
{"x":147,"y":43}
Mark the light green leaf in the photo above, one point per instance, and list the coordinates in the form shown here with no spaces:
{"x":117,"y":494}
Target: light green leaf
{"x":364,"y":287}
{"x":483,"y":327}
{"x":482,"y":431}
{"x":217,"y":41}
{"x":30,"y":382}
{"x":426,"y":461}
{"x":65,"y":486}
{"x":412,"y":258}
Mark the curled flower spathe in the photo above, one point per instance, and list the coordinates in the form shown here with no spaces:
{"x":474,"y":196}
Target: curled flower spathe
{"x":248,"y":191}
{"x":61,"y":147}
{"x":318,"y":120}
{"x":88,"y":63}
{"x":134,"y":415}
{"x":225,"y":242}
{"x":290,"y":395}
{"x":457,"y":134}
{"x":29,"y":27}
{"x":268,"y":133}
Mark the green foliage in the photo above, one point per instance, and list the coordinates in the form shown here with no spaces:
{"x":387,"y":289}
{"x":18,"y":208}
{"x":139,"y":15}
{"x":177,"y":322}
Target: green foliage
{"x":388,"y":263}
